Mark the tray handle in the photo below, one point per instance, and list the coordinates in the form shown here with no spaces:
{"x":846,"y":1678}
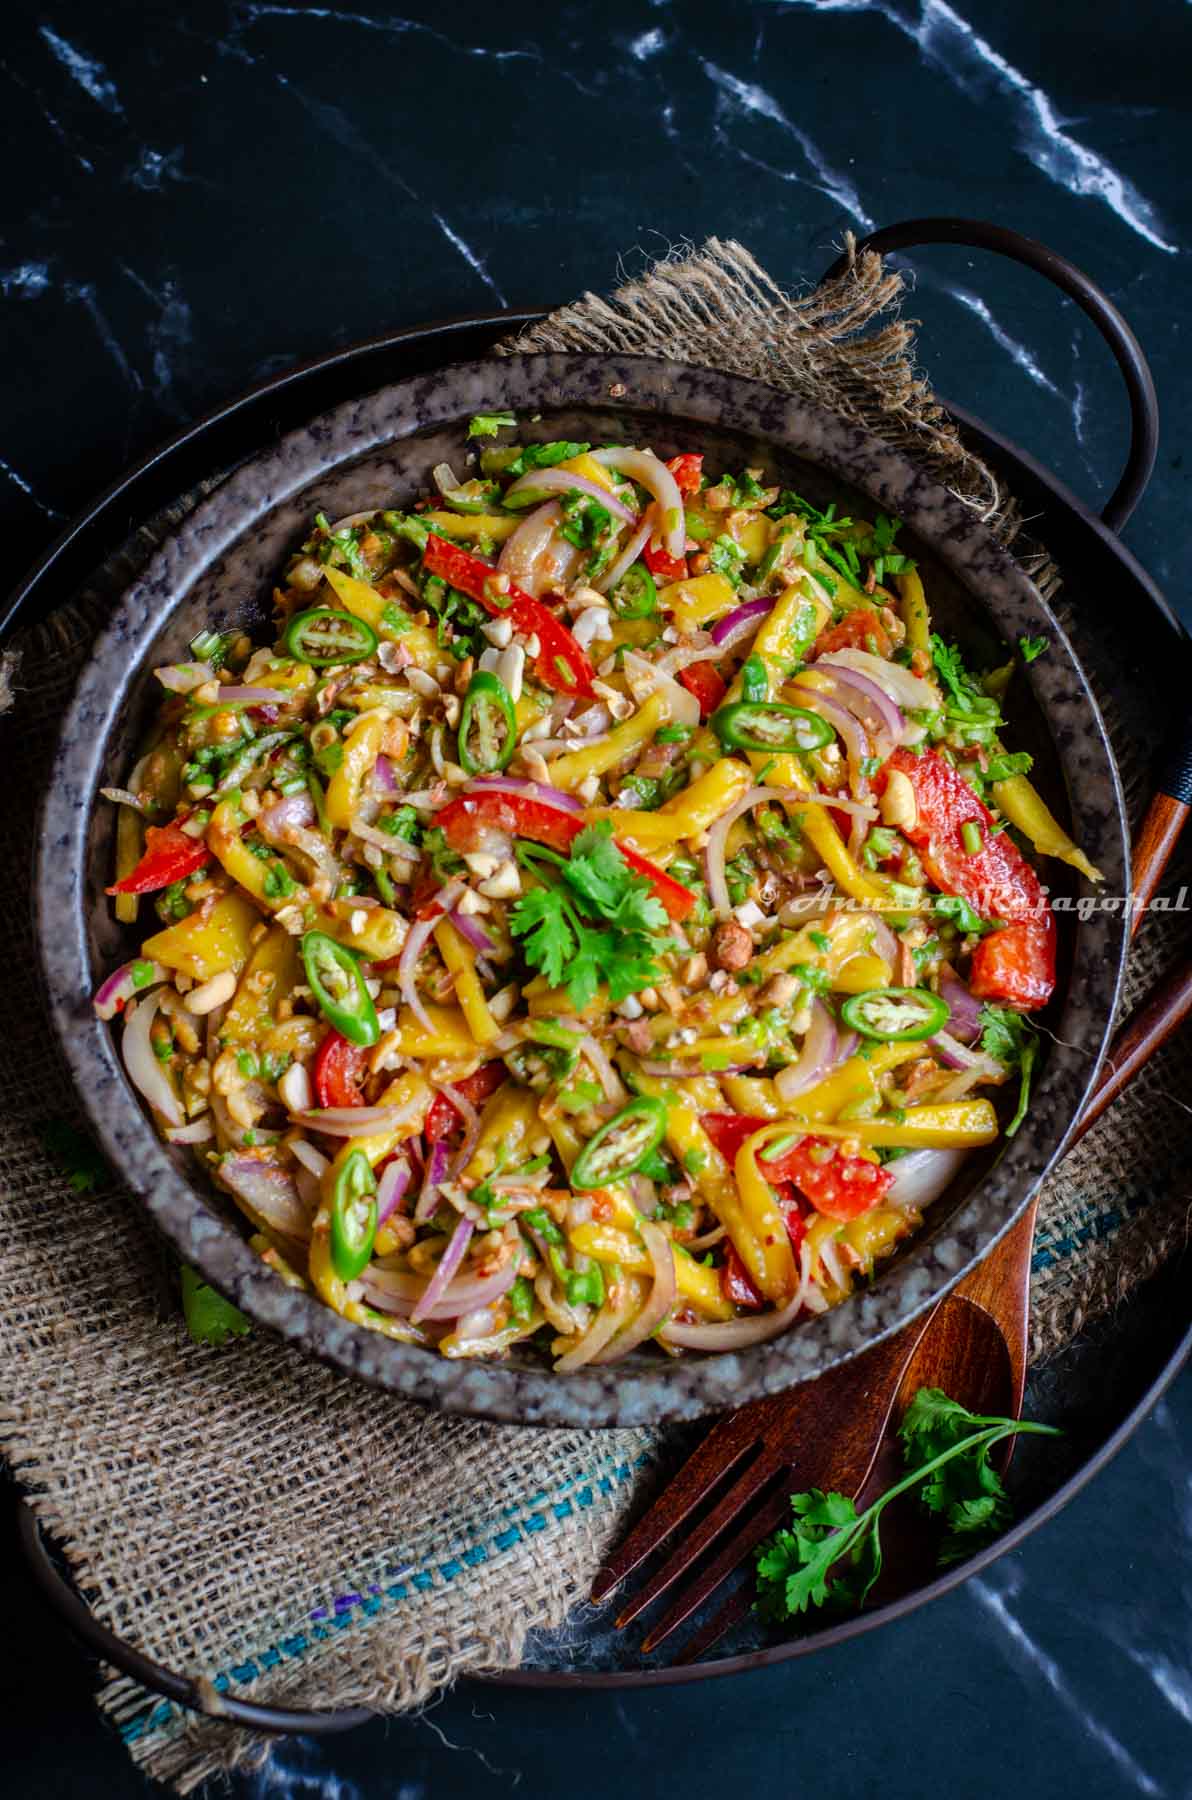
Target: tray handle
{"x":982,"y":234}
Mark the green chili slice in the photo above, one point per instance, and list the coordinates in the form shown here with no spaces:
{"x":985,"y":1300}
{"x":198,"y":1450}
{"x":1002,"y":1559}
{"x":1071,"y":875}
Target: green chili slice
{"x":323,"y":636}
{"x":622,"y":1145}
{"x":755,"y":682}
{"x":768,"y":725}
{"x":896,"y":1015}
{"x":487,"y":725}
{"x":338,"y":986}
{"x":353,"y":1216}
{"x":636,"y":594}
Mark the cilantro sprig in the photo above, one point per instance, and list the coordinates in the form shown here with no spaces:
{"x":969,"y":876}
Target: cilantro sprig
{"x":590,"y":919}
{"x":210,"y":1319}
{"x":841,"y":545}
{"x":833,"y":1553}
{"x":1007,"y":1036}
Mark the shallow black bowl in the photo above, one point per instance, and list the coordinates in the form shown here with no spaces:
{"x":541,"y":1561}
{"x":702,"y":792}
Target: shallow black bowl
{"x":218,"y":569}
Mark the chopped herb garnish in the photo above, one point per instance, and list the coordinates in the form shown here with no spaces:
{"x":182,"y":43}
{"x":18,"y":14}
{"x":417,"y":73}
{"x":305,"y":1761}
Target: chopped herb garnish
{"x":834,"y":1553}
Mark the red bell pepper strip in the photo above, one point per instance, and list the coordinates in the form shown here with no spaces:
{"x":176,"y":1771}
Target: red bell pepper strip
{"x":709,"y":688}
{"x":840,"y":1186}
{"x":339,"y":1069}
{"x":171,"y":854}
{"x":1015,"y":966}
{"x":561,"y":664}
{"x":443,"y":1117}
{"x":858,"y":630}
{"x":463,"y":820}
{"x":676,"y":899}
{"x":660,"y":562}
{"x":687,"y":471}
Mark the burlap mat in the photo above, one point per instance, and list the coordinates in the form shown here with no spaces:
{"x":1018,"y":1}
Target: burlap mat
{"x":247,"y":1516}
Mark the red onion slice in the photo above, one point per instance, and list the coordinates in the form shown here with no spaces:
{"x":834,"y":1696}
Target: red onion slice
{"x":356,"y":1121}
{"x":907,"y":691}
{"x":662,"y":1298}
{"x":563,"y":481}
{"x":646,"y":678}
{"x":199,"y":1131}
{"x":610,"y":1081}
{"x":449,"y":1262}
{"x":113,"y":995}
{"x":395,"y":1179}
{"x":656,"y":478}
{"x":296,"y":811}
{"x":734,"y":1334}
{"x":421,"y":933}
{"x":383,"y":775}
{"x":921,"y":1177}
{"x":147,"y":1074}
{"x":396,"y":1292}
{"x":634,"y":545}
{"x":535,"y":557}
{"x":742,"y":622}
{"x":819,"y":1055}
{"x":471,"y":1119}
{"x":184,"y":678}
{"x":964,"y":1020}
{"x":475,"y":934}
{"x":874,"y":708}
{"x":255,"y":696}
{"x":312,"y":1160}
{"x":436,"y":1172}
{"x":856,"y":738}
{"x":268,"y":1192}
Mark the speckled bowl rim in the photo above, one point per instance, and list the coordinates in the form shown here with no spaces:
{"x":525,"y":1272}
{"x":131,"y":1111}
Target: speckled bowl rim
{"x":680,"y":395}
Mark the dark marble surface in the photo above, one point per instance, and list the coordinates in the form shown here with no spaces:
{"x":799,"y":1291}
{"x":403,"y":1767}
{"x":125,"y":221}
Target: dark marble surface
{"x":198,"y":195}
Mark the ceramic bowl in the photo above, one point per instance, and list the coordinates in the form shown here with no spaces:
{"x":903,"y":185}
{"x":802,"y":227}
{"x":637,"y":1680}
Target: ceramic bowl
{"x":218,"y":569}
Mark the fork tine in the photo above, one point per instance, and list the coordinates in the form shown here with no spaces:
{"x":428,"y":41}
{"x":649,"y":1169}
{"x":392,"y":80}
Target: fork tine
{"x":758,"y":1525}
{"x":710,"y":1462}
{"x":735,"y":1608}
{"x":748,"y":1485}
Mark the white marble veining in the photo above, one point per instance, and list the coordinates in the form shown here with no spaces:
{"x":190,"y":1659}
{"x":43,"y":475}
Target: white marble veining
{"x":339,"y":126}
{"x":1018,"y":352}
{"x":952,"y":45}
{"x":91,"y":75}
{"x":737,"y":98}
{"x":994,"y":1594}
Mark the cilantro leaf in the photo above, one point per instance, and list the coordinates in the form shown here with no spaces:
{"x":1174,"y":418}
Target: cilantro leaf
{"x":962,"y":915}
{"x":727,"y":558}
{"x":486,"y":425}
{"x":85,"y":1166}
{"x":967,"y":699}
{"x":1031,"y":647}
{"x":210,"y":1318}
{"x":542,"y":456}
{"x":1007,"y":1036}
{"x":596,"y":869}
{"x":599,"y":923}
{"x":540,"y":918}
{"x":1007,"y":763}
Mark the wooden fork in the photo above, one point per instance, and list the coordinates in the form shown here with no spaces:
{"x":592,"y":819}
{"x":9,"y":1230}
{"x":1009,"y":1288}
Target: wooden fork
{"x":975,"y":1339}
